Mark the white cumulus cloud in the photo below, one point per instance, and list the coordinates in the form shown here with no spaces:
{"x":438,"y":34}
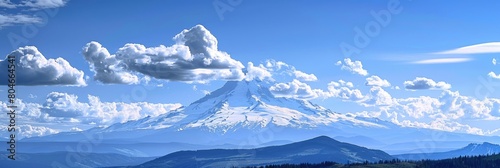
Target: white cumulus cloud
{"x":422,"y":83}
{"x":281,"y":68}
{"x":193,"y":58}
{"x":32,"y":68}
{"x":445,"y":112}
{"x":493,"y":75}
{"x":257,"y":72}
{"x":377,"y":81}
{"x":304,"y":76}
{"x":344,"y":90}
{"x":355,"y":67}
{"x":67,"y":112}
{"x":295,"y":89}
{"x":378,"y":97}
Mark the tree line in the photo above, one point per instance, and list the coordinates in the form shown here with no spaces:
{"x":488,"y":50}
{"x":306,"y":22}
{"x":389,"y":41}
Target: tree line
{"x":481,"y":161}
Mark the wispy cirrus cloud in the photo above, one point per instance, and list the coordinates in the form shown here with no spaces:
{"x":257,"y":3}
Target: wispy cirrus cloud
{"x":42,"y":4}
{"x":10,"y":20}
{"x":25,"y":6}
{"x":491,"y":47}
{"x":7,"y":4}
{"x":33,"y":4}
{"x":442,"y":61}
{"x":460,"y":54}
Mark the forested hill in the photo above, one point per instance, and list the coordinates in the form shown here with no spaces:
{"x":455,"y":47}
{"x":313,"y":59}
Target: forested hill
{"x":485,"y":161}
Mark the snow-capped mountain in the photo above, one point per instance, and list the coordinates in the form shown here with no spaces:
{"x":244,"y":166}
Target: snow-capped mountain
{"x":247,"y":114}
{"x":240,"y":107}
{"x":246,"y":105}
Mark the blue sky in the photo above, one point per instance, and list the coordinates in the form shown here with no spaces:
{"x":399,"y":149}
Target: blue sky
{"x":421,"y":44}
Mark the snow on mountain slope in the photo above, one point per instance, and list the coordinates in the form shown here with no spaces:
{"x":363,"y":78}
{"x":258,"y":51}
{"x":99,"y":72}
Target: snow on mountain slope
{"x":245,"y":104}
{"x":245,"y":112}
{"x":480,"y":148}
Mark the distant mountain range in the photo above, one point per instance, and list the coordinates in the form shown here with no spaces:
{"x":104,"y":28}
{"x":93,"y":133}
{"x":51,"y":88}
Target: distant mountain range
{"x":233,"y":112}
{"x":472,"y":149}
{"x":246,"y":114}
{"x":315,"y":150}
{"x":69,"y":159}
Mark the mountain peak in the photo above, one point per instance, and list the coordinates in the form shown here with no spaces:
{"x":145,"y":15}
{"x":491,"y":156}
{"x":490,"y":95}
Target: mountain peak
{"x":483,"y":144}
{"x":253,"y":95}
{"x":237,"y":110}
{"x":481,"y":148}
{"x":239,"y":88}
{"x":489,"y":144}
{"x":250,"y":104}
{"x":315,"y":150}
{"x":322,"y":139}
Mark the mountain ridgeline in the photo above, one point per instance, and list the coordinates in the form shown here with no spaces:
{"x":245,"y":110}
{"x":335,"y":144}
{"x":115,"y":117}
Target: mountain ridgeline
{"x":239,"y":119}
{"x":473,"y":149}
{"x":321,"y":151}
{"x":232,"y":114}
{"x":314,"y":150}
